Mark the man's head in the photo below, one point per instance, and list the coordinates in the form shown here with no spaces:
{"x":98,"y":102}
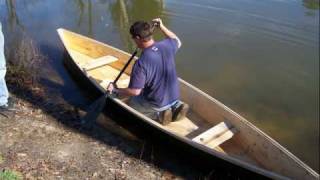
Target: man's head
{"x":141,"y":33}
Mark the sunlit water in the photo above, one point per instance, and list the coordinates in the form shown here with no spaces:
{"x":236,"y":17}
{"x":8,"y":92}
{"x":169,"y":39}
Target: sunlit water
{"x":261,"y":58}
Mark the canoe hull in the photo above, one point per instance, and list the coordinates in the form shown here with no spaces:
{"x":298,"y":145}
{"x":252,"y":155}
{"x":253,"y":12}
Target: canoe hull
{"x":135,"y":125}
{"x":193,"y":151}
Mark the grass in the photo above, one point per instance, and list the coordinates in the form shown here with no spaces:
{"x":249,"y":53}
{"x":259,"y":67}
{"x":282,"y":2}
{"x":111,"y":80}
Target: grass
{"x":10,"y":175}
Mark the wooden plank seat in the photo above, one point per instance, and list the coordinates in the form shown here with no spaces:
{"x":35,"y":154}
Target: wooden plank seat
{"x":216,"y":135}
{"x":98,"y":62}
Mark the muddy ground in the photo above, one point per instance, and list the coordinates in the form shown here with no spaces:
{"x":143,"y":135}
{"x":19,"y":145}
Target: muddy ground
{"x":38,"y":146}
{"x":44,"y":139}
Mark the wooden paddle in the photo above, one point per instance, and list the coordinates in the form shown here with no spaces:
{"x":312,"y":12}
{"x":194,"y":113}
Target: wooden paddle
{"x":97,"y":106}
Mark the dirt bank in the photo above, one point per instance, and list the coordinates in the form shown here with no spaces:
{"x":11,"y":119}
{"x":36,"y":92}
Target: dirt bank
{"x":40,"y":147}
{"x":43,"y":138}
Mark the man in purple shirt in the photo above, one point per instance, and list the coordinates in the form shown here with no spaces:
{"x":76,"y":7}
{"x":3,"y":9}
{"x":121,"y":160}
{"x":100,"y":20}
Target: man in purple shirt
{"x":154,"y":85}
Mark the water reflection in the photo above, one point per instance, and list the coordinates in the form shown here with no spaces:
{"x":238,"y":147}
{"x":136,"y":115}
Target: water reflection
{"x":311,"y":4}
{"x":81,"y":21}
{"x":124,"y":13}
{"x":12,"y":15}
{"x":261,"y":58}
{"x":80,"y":5}
{"x":312,"y":7}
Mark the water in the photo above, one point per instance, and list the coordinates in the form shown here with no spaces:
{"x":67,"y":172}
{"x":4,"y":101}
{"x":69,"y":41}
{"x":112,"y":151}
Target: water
{"x":261,"y":58}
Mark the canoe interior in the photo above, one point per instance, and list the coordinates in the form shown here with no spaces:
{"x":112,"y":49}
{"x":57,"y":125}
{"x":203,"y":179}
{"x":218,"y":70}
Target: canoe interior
{"x":247,"y":143}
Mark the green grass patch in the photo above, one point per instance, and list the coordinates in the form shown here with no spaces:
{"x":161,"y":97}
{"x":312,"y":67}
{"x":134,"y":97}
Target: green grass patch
{"x":10,"y":175}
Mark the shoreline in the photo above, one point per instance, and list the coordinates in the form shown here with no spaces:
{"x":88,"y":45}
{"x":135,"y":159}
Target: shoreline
{"x":36,"y":145}
{"x":43,"y":139}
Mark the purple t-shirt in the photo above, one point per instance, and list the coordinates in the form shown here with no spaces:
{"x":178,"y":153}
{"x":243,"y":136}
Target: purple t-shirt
{"x":155,"y":73}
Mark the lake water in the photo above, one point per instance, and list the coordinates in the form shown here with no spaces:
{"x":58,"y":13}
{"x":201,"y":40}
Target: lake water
{"x":261,"y":58}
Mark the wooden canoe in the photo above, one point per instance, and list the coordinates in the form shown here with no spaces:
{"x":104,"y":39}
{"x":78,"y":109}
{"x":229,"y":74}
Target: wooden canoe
{"x":210,"y":126}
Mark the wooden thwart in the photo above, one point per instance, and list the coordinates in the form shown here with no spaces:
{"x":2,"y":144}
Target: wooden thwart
{"x":101,"y":61}
{"x":216,"y":135}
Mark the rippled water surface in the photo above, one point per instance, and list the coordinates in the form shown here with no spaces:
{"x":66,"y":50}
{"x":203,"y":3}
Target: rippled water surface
{"x":261,"y":58}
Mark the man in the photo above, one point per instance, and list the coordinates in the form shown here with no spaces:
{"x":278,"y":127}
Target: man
{"x":4,"y":94}
{"x":154,"y":85}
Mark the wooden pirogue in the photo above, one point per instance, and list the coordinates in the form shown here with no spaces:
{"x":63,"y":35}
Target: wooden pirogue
{"x":210,"y":126}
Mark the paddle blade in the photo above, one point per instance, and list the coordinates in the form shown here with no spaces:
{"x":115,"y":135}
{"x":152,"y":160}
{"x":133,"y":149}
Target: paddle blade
{"x":94,"y":110}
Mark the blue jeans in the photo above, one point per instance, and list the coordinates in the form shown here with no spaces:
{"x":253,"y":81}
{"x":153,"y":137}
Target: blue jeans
{"x":4,"y":94}
{"x":143,"y":106}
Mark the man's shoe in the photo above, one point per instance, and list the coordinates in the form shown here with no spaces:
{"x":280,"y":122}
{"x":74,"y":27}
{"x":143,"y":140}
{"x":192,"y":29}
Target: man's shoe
{"x":4,"y":108}
{"x":10,"y":106}
{"x":5,"y":111}
{"x":12,"y":102}
{"x":180,"y":111}
{"x":165,"y":117}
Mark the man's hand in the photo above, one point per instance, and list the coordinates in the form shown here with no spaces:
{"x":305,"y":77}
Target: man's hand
{"x":111,"y":88}
{"x":157,"y":22}
{"x":166,"y":31}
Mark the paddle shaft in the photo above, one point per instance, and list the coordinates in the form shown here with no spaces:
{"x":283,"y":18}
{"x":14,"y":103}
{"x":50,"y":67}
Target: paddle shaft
{"x":125,"y":67}
{"x":97,"y":106}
